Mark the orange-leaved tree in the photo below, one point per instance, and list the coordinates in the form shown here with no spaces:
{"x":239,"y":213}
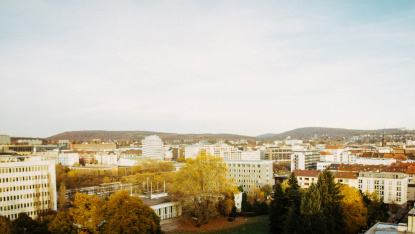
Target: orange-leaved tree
{"x":354,"y":209}
{"x":126,"y":214}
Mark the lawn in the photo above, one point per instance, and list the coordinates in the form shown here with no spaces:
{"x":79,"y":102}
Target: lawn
{"x":257,"y":224}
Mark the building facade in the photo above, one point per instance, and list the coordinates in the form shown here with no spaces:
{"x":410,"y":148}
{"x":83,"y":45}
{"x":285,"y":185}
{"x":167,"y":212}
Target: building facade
{"x":389,"y":185}
{"x":278,"y":154}
{"x":251,"y":173}
{"x":28,"y":187}
{"x":305,"y":160}
{"x":153,"y":147}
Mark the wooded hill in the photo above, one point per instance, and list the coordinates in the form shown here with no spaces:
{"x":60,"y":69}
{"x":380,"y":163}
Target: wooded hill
{"x":301,"y":133}
{"x":130,"y":135}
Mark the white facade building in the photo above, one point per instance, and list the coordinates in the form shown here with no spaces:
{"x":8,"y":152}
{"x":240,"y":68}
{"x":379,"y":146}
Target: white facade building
{"x":389,"y":185}
{"x":68,"y":158}
{"x":153,"y":147}
{"x":28,"y":187}
{"x":5,"y":140}
{"x":251,"y":173}
{"x":305,"y":160}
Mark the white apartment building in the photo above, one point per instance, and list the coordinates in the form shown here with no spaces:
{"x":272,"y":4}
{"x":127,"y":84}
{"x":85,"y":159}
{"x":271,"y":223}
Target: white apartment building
{"x":391,"y":186}
{"x":28,"y":186}
{"x":306,"y":177}
{"x":242,"y":155}
{"x":153,"y":147}
{"x":68,"y":158}
{"x":251,"y":173}
{"x":305,"y":159}
{"x":106,"y":158}
{"x":336,"y":151}
{"x":5,"y":140}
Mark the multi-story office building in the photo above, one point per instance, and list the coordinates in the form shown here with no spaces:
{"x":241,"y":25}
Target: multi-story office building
{"x":305,"y":159}
{"x":153,"y":147}
{"x":278,"y":154}
{"x":28,"y":187}
{"x":251,"y":173}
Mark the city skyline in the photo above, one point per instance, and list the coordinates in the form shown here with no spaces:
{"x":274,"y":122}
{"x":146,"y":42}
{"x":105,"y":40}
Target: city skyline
{"x":195,"y":67}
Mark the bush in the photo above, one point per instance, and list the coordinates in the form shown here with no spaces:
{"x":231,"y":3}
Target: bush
{"x":231,"y":219}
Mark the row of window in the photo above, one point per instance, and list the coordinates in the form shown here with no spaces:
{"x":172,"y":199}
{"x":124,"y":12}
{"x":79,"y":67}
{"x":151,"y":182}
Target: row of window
{"x":244,"y":176}
{"x":24,"y":205}
{"x":23,"y":187}
{"x":243,"y":165}
{"x":24,"y":196}
{"x":24,"y":178}
{"x":239,"y":170}
{"x":23,"y":169}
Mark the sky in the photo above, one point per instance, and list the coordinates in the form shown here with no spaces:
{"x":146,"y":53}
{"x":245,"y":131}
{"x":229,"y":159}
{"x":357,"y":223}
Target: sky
{"x":240,"y":67}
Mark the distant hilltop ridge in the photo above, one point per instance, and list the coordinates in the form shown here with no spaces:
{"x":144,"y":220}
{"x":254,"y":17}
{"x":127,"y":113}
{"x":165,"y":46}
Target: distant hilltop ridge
{"x":329,"y":132}
{"x":129,"y":135}
{"x":299,"y":133}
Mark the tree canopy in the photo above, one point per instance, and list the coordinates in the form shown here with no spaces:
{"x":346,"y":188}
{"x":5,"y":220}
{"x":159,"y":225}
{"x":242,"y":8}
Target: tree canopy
{"x":198,"y":186}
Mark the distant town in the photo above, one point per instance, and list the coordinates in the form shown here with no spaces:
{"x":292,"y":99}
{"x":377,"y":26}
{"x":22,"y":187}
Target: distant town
{"x":43,"y":177}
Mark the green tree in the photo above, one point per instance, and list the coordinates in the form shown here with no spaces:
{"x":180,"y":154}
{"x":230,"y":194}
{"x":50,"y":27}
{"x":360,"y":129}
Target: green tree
{"x":376,"y":208}
{"x":62,"y":223}
{"x":25,"y":224}
{"x":294,"y":195}
{"x":126,"y":214}
{"x":311,"y":212}
{"x":278,"y":210}
{"x":5,"y":225}
{"x":330,"y":202}
{"x":198,"y":184}
{"x":245,"y":206}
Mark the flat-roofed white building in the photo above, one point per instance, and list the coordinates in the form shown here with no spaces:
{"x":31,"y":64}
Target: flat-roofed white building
{"x":5,"y":140}
{"x":392,"y":186}
{"x":68,"y":158}
{"x":28,"y":187}
{"x":153,"y":147}
{"x":251,"y":173}
{"x":305,"y":159}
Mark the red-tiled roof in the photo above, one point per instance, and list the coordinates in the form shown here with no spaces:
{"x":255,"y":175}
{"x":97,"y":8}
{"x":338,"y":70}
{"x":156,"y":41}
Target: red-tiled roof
{"x":333,"y":147}
{"x":325,"y":153}
{"x":306,"y":173}
{"x":346,"y":175}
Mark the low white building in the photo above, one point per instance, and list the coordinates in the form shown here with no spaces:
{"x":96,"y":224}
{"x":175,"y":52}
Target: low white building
{"x":28,"y":187}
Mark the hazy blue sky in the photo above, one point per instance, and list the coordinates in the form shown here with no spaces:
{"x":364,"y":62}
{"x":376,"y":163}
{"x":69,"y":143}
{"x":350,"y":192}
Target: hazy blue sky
{"x":243,"y":67}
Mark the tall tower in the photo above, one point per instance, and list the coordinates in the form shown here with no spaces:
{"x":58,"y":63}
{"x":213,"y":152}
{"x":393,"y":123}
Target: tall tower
{"x":383,"y":138}
{"x":153,"y":147}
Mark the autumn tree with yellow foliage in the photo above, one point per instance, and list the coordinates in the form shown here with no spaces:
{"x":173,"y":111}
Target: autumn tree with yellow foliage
{"x":199,"y":185}
{"x":354,"y":209}
{"x":126,"y":214}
